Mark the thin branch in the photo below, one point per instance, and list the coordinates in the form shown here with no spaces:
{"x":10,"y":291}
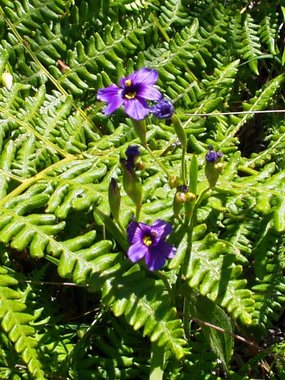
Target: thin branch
{"x":238,"y":337}
{"x":234,"y":113}
{"x":49,"y":283}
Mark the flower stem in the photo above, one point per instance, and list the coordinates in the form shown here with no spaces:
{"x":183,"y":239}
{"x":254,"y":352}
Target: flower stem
{"x":138,"y":210}
{"x":183,"y":166}
{"x":192,"y":219}
{"x":162,"y":276}
{"x":156,"y":362}
{"x":140,"y":128}
{"x":156,"y":160}
{"x":186,"y":319}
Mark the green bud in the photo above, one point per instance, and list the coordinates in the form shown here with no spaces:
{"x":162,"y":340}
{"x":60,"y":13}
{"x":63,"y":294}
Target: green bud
{"x":213,"y":172}
{"x":114,"y":198}
{"x":180,"y":132}
{"x":190,"y":203}
{"x":174,"y":181}
{"x":213,"y":167}
{"x":132,"y":184}
{"x":178,"y":202}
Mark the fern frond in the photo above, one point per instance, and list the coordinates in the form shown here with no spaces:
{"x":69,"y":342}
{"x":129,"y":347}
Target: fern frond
{"x":268,"y":32}
{"x":221,"y":82}
{"x":144,"y":303}
{"x":249,"y":45}
{"x":173,"y":12}
{"x":16,"y":322}
{"x":30,"y":15}
{"x":269,"y":286}
{"x":215,"y":270}
{"x":262,"y":98}
{"x":118,"y":351}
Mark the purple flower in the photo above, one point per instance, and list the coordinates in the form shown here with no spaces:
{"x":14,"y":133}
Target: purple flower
{"x":212,"y":156}
{"x":149,"y":242}
{"x":132,"y":93}
{"x":163,"y":109}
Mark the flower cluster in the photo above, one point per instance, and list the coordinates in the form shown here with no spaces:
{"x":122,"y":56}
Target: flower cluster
{"x":133,"y":93}
{"x":213,"y":167}
{"x":212,"y":156}
{"x":148,"y":242}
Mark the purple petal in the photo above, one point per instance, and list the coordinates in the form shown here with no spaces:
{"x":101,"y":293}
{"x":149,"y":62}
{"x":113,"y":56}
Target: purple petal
{"x":137,"y":109}
{"x":148,"y":92}
{"x":137,"y":231}
{"x":145,"y":75}
{"x":160,"y":229}
{"x":154,"y":259}
{"x":112,"y":96}
{"x":113,"y":106}
{"x":107,"y":94}
{"x":168,"y":250}
{"x":163,"y":109}
{"x":137,"y":251}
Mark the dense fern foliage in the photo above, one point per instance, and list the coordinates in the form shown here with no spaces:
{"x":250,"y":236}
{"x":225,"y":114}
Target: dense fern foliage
{"x":73,"y":306}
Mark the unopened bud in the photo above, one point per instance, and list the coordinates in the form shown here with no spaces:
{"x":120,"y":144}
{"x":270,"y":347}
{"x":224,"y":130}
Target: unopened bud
{"x":190,"y":197}
{"x":114,"y":198}
{"x":179,"y":199}
{"x":213,"y":166}
{"x":174,"y":181}
{"x":190,"y":203}
{"x":163,"y":109}
{"x":179,"y":130}
{"x":132,"y":184}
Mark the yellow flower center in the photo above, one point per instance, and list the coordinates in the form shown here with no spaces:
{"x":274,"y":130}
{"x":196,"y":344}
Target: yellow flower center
{"x":147,"y":240}
{"x":131,"y":94}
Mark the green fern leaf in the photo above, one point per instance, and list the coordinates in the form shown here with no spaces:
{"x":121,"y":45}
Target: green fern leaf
{"x":15,"y":321}
{"x":259,"y":102}
{"x":268,"y":32}
{"x":250,"y":47}
{"x":214,"y":270}
{"x":145,"y":304}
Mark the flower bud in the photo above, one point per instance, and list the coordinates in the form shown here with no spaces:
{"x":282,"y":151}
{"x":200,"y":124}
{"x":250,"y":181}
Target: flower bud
{"x":163,"y":109}
{"x":190,"y":203}
{"x":180,"y":132}
{"x":131,"y":183}
{"x":132,"y":153}
{"x":213,"y":166}
{"x":174,"y":181}
{"x":114,"y":198}
{"x":179,"y":199}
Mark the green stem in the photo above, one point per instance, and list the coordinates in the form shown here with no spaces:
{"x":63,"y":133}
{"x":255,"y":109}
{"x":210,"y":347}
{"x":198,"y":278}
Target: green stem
{"x":28,"y":182}
{"x":193,"y":220}
{"x":160,"y":27}
{"x":157,"y":161}
{"x":140,"y":128}
{"x":183,"y":166}
{"x":156,"y":362}
{"x":162,"y":276}
{"x":186,"y":320}
{"x":138,"y":210}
